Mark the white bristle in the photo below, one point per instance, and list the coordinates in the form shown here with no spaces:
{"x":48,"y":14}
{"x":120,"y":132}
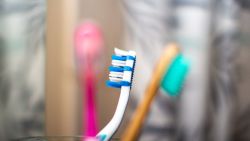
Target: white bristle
{"x":118,"y":63}
{"x":115,"y":74}
{"x":115,"y":79}
{"x":121,"y":52}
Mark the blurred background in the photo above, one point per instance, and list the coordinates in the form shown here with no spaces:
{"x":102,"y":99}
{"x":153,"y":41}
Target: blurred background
{"x":41,"y":92}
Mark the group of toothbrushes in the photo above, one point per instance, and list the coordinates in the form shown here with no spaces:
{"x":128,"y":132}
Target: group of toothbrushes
{"x":169,"y":74}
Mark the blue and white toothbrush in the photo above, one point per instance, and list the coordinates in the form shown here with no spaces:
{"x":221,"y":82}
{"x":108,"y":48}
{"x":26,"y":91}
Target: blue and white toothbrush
{"x":120,"y":76}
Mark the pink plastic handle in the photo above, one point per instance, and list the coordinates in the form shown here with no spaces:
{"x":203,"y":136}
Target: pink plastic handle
{"x":91,"y":114}
{"x":88,"y":45}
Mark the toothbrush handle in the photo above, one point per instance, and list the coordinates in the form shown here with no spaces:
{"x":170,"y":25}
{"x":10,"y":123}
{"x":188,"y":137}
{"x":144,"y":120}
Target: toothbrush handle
{"x":132,"y":131}
{"x":91,"y":121}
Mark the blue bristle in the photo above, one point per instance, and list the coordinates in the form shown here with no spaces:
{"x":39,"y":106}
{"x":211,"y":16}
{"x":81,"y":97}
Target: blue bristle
{"x":125,"y":83}
{"x":127,"y":68}
{"x":116,"y":69}
{"x":122,"y":58}
{"x":113,"y":84}
{"x":117,"y":84}
{"x":130,"y":57}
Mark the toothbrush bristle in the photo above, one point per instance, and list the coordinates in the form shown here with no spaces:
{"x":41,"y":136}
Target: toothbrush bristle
{"x":120,"y":52}
{"x":118,"y":67}
{"x":174,"y":78}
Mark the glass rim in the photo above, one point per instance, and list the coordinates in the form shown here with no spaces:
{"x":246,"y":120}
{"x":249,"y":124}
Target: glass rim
{"x":55,"y":137}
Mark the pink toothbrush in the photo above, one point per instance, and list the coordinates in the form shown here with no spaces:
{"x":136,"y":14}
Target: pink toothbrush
{"x":88,"y":47}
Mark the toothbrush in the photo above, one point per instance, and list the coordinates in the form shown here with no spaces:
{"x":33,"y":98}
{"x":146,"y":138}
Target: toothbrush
{"x":88,"y":46}
{"x":177,"y":67}
{"x":120,"y":76}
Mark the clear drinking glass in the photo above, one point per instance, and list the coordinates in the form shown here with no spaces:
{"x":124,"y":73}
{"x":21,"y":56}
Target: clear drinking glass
{"x":60,"y":138}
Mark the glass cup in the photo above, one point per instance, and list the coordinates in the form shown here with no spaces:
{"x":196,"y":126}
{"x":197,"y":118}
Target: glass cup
{"x":61,"y":138}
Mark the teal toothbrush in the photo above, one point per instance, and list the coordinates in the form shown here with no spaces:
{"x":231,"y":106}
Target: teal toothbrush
{"x":171,"y":68}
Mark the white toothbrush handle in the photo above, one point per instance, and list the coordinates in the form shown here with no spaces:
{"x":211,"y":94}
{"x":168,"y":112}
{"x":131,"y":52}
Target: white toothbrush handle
{"x":106,"y":133}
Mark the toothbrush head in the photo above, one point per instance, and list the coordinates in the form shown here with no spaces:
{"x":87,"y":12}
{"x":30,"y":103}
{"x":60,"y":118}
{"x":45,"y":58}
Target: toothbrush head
{"x":122,"y":69}
{"x":174,"y":77}
{"x":88,"y":41}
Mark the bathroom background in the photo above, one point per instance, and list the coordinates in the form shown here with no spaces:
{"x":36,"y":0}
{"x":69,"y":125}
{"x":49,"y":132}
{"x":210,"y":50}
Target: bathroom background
{"x":40,"y":91}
